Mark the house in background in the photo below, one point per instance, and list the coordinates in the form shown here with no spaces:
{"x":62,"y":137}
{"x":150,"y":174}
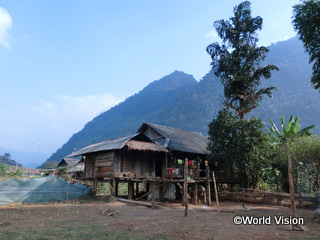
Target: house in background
{"x":75,"y":167}
{"x":68,"y":162}
{"x":154,"y":152}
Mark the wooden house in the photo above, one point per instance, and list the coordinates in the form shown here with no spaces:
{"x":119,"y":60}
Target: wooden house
{"x":154,"y":152}
{"x":75,"y":167}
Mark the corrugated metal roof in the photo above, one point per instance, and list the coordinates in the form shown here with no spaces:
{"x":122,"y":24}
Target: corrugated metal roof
{"x":112,"y":144}
{"x":68,"y":161}
{"x":77,"y":167}
{"x":179,"y":139}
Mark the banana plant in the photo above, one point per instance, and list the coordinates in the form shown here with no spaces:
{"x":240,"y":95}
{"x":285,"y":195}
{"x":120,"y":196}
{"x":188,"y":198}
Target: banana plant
{"x":287,"y":133}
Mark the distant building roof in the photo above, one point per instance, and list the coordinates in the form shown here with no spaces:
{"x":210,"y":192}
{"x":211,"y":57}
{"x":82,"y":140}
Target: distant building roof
{"x":79,"y":167}
{"x":68,"y":162}
{"x":178,"y":139}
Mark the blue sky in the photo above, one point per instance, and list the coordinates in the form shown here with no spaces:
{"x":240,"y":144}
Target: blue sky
{"x":64,"y":62}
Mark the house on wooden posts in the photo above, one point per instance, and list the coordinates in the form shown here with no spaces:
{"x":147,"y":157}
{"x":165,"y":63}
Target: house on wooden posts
{"x":68,"y":162}
{"x":154,"y":152}
{"x":76,"y":167}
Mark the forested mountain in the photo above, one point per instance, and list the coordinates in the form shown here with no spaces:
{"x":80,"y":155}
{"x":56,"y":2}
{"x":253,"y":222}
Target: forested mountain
{"x":178,"y":100}
{"x":6,"y":159}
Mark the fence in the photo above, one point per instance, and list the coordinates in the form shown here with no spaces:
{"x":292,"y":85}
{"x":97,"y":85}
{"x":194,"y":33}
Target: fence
{"x":271,"y":198}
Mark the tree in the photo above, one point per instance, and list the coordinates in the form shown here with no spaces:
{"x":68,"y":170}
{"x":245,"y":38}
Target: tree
{"x":288,"y":133}
{"x":237,"y":60}
{"x":4,"y":168}
{"x":306,"y":20}
{"x":6,"y":159}
{"x":237,"y":145}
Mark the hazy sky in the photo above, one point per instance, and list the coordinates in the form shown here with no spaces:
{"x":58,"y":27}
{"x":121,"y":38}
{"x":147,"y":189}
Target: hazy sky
{"x":62,"y":62}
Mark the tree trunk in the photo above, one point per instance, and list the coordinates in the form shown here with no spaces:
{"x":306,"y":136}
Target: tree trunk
{"x":291,"y":189}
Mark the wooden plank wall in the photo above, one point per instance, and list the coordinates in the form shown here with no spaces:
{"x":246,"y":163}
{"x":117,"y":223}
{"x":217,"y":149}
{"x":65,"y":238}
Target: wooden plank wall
{"x":104,"y":165}
{"x":89,"y":166}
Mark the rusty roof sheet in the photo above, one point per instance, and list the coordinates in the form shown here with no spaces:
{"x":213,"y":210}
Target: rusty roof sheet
{"x":112,"y":144}
{"x":145,"y":146}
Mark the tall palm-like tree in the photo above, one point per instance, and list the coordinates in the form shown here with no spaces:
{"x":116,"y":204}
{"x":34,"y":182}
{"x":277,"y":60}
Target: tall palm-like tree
{"x":237,"y":60}
{"x":292,"y":130}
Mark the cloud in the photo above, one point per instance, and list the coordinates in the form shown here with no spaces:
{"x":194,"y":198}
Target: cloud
{"x":50,"y":122}
{"x":67,"y":113}
{"x":5,"y":26}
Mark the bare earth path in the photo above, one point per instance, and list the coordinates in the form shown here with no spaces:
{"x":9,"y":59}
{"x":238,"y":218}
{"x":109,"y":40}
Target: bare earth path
{"x":93,"y":219}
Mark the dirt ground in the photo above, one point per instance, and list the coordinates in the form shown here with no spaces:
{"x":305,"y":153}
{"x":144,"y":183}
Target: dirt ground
{"x":97,"y":219}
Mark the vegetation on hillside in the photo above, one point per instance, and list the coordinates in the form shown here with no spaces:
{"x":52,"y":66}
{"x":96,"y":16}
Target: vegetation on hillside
{"x":178,"y":100}
{"x":241,"y":146}
{"x":6,"y":159}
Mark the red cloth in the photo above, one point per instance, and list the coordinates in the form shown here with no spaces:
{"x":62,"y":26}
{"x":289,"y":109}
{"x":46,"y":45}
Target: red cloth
{"x":171,"y":169}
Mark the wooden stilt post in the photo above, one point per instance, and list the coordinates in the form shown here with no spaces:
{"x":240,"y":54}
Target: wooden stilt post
{"x":95,"y":185}
{"x":147,"y":193}
{"x":185,"y":187}
{"x":153,"y":200}
{"x":116,"y":188}
{"x":208,"y":184}
{"x":161,"y":191}
{"x":111,"y":187}
{"x":195,"y":194}
{"x":130,"y":189}
{"x":216,"y":191}
{"x":137,"y":189}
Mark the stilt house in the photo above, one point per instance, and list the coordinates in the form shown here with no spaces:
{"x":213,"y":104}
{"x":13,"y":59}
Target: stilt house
{"x":154,"y":151}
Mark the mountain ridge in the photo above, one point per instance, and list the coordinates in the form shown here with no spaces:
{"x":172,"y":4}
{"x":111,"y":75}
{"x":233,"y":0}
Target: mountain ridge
{"x":178,"y":100}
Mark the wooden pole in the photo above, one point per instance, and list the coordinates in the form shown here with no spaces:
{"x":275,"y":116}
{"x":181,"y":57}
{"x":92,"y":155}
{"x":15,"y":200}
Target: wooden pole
{"x":147,"y":193}
{"x":185,"y":187}
{"x":291,"y":189}
{"x":111,"y":187}
{"x":153,"y":200}
{"x":130,"y":189}
{"x":116,"y":191}
{"x":216,"y":191}
{"x":195,"y":194}
{"x":208,"y":184}
{"x":137,"y":188}
{"x":95,"y":185}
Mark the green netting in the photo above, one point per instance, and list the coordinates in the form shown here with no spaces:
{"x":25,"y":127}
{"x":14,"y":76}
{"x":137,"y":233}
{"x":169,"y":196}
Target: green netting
{"x":45,"y":189}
